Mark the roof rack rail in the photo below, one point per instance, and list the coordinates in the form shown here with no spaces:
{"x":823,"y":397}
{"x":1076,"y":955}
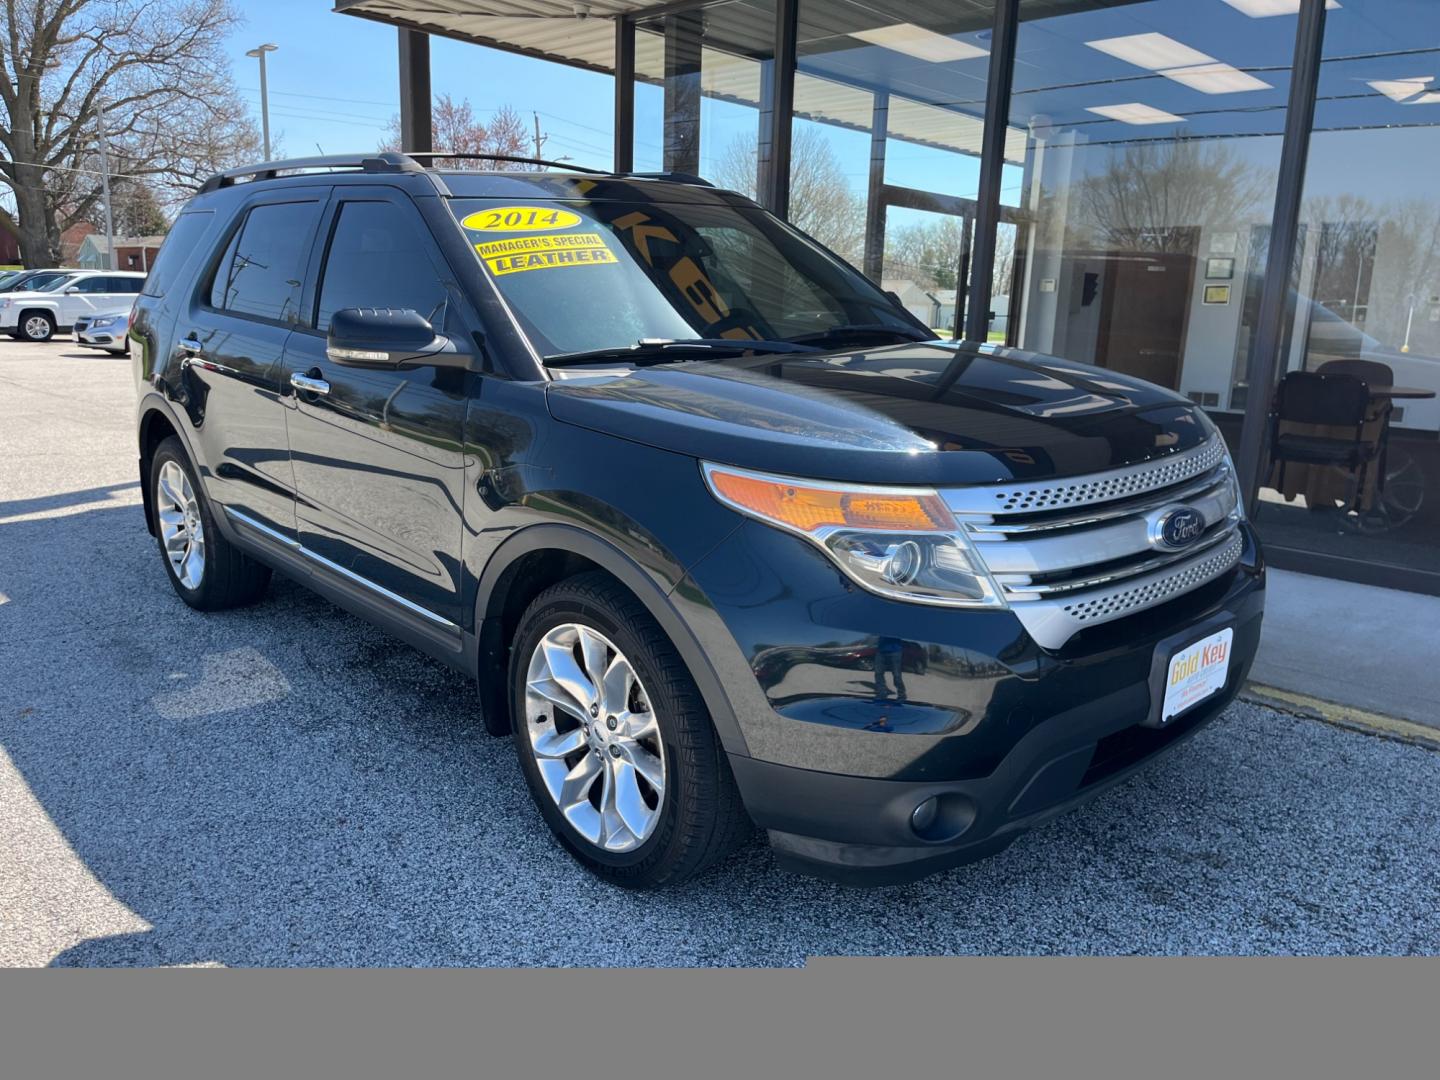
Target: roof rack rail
{"x":386,"y":162}
{"x":432,"y":154}
{"x":391,"y":161}
{"x":673,"y":177}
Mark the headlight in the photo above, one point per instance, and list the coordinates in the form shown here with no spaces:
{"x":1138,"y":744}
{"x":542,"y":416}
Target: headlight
{"x":105,"y":324}
{"x":1237,"y":495}
{"x":897,"y":542}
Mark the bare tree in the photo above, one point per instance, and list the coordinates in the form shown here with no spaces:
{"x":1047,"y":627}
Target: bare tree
{"x":456,"y":130}
{"x":821,"y":202}
{"x":158,"y":69}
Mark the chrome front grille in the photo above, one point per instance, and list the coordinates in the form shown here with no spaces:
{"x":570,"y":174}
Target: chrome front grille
{"x":1074,"y":553}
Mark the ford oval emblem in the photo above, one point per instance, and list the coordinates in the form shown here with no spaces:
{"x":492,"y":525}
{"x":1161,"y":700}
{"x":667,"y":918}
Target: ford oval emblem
{"x":1178,"y":528}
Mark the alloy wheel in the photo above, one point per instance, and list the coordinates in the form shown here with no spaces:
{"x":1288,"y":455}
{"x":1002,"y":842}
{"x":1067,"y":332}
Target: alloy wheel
{"x":181,"y":528}
{"x":595,"y":739}
{"x":37,"y":328}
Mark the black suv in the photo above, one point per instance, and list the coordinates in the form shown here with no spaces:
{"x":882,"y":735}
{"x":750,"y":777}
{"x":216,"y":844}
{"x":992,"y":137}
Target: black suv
{"x":722,"y":532}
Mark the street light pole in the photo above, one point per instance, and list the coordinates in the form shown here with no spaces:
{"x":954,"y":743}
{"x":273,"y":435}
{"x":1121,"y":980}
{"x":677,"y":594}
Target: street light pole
{"x":105,"y":185}
{"x":260,"y":51}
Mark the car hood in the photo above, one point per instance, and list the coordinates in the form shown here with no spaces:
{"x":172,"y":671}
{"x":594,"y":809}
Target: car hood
{"x":924,"y":413}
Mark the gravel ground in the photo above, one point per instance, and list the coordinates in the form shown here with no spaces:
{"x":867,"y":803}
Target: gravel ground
{"x":286,"y":785}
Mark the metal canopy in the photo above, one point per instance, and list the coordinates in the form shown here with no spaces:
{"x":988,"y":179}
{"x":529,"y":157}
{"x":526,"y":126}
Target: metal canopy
{"x":826,"y":90}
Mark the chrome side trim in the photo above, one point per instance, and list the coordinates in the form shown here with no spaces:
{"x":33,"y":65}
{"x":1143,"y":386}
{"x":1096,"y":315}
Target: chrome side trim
{"x":334,"y":567}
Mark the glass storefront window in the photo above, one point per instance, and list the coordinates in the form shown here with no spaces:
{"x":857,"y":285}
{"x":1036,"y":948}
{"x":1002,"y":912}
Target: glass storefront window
{"x":889,"y":111}
{"x":1152,"y":150}
{"x":701,"y":91}
{"x":1364,"y":303}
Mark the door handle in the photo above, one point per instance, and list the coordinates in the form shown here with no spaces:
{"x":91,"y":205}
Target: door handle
{"x":191,"y":345}
{"x":309,"y":384}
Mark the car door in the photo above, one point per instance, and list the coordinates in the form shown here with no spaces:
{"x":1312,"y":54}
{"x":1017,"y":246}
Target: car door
{"x":377,"y":455}
{"x":82,"y":297}
{"x":232,"y":334}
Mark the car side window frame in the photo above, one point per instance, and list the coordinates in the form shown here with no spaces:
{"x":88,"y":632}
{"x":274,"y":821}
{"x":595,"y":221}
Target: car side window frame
{"x":205,"y":282}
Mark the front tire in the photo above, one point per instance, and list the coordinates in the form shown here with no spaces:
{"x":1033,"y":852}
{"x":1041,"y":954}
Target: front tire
{"x":206,"y":570}
{"x":36,"y":326}
{"x":614,"y":740}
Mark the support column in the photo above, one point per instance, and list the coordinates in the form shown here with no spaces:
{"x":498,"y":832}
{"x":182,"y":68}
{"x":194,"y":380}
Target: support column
{"x":992,"y":162}
{"x":683,"y":31}
{"x":624,"y":95}
{"x":415,"y":132}
{"x":1270,"y":320}
{"x":777,"y":109}
{"x":874,"y":203}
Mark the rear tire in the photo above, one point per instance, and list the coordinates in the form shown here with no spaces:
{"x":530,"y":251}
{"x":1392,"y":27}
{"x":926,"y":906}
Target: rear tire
{"x":36,"y":326}
{"x":206,"y":570}
{"x":638,"y":788}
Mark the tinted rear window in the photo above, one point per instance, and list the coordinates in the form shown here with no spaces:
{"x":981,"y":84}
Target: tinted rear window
{"x":265,"y":262}
{"x":188,"y":230}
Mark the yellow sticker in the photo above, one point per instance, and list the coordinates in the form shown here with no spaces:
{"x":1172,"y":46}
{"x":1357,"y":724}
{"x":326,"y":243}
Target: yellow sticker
{"x":547,"y":260}
{"x":490,"y":249}
{"x":521,"y":219}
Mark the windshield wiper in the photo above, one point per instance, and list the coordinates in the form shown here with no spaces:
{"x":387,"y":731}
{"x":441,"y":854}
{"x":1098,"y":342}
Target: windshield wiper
{"x":840,"y":335}
{"x":664,"y":350}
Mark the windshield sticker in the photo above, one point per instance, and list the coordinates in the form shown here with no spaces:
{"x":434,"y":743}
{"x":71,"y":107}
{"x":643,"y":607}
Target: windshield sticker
{"x":544,"y":252}
{"x":521,"y":219}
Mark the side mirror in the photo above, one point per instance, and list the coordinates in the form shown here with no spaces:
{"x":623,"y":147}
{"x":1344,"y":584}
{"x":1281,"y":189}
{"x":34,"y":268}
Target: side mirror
{"x":387,"y":338}
{"x":71,"y":290}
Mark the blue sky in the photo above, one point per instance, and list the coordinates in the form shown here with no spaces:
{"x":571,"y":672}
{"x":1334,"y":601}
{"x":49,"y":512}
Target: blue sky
{"x":334,"y":83}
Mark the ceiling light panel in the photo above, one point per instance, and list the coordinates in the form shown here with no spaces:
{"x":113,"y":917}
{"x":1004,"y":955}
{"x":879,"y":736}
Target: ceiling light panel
{"x":1152,"y":51}
{"x":1136,"y":113}
{"x":920,"y":43}
{"x":1263,"y":9}
{"x":1216,"y":79}
{"x":1402,"y":89}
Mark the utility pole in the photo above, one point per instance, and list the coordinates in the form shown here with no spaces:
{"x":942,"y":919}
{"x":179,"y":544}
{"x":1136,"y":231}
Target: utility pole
{"x":105,"y":185}
{"x":539,"y":139}
{"x":260,"y":51}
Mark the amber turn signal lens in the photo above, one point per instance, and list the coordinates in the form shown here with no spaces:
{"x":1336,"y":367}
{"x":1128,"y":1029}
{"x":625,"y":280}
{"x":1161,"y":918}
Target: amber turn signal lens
{"x":810,"y":508}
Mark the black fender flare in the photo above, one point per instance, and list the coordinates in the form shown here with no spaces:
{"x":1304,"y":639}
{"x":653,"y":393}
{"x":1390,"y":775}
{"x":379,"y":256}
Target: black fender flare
{"x":155,"y":402}
{"x":578,"y":541}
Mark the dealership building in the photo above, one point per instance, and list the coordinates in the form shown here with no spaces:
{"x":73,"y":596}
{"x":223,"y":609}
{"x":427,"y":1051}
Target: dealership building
{"x":1237,"y":199}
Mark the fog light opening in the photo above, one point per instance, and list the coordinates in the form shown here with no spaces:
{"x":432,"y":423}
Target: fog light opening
{"x":925,"y":814}
{"x":942,"y":818}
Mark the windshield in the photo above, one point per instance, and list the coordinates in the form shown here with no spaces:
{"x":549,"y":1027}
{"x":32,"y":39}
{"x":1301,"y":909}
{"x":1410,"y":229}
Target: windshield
{"x":584,"y":276}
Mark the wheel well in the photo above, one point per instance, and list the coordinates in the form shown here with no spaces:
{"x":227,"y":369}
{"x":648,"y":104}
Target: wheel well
{"x":523,"y":580}
{"x":36,"y":311}
{"x":155,"y":428}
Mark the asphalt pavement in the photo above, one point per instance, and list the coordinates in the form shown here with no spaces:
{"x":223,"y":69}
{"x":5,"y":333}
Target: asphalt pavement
{"x":287,"y":785}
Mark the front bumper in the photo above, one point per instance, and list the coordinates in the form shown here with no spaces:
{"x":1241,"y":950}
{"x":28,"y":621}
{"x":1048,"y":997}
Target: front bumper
{"x":1002,"y":733}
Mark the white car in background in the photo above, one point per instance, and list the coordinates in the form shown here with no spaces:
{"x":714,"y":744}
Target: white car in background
{"x":41,"y":314}
{"x":106,"y":331}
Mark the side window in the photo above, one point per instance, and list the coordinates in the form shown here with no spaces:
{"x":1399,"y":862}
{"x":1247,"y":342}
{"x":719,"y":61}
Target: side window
{"x":96,"y":284}
{"x":378,"y":258}
{"x":126,"y":284}
{"x":187,"y":232}
{"x":265,"y":262}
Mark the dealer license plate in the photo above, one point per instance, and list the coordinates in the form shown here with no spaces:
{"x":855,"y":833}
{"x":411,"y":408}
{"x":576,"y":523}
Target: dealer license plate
{"x":1197,"y":672}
